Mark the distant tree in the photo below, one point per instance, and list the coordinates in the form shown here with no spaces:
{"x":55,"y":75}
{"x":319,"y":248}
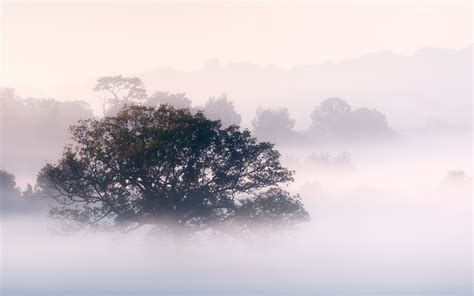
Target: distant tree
{"x":343,"y":160}
{"x":13,"y":200}
{"x":8,"y":94}
{"x":273,"y":125}
{"x":319,"y":159}
{"x":334,"y":118}
{"x":33,"y":130}
{"x":29,"y":192}
{"x":8,"y":184}
{"x":368,"y":122}
{"x":170,"y":168}
{"x":117,"y":91}
{"x":11,"y":105}
{"x":324,"y":160}
{"x":178,"y":100}
{"x":330,"y":116}
{"x":457,"y":177}
{"x":221,"y":109}
{"x":9,"y":187}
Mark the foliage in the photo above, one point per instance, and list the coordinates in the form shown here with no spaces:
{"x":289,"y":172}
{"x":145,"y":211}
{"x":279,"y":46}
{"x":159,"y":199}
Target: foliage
{"x":170,"y":168}
{"x":269,"y":209}
{"x":330,"y":115}
{"x":178,"y":100}
{"x":118,"y":91}
{"x":8,"y":183}
{"x":34,"y":130}
{"x":13,"y":200}
{"x":274,"y":125}
{"x":335,"y":119}
{"x":222,"y":109}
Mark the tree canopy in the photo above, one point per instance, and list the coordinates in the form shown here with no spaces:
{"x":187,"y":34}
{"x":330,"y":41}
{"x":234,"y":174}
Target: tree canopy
{"x":15,"y":201}
{"x":275,"y":125}
{"x":117,"y":91}
{"x":222,"y":109}
{"x":8,"y":183}
{"x":33,"y":130}
{"x":330,"y":116}
{"x":170,"y":168}
{"x":178,"y":100}
{"x":334,"y":118}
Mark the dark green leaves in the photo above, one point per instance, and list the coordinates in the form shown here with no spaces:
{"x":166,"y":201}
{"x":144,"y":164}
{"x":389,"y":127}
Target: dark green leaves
{"x":166,"y":166}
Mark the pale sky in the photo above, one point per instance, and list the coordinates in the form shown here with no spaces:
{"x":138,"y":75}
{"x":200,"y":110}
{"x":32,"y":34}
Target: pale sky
{"x":46,"y":45}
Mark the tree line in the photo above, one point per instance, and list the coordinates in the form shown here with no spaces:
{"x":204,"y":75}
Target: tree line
{"x":331,"y":121}
{"x":158,"y":160}
{"x":177,"y":171}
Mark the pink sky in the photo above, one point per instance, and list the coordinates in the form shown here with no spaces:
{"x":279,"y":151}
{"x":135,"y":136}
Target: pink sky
{"x":46,"y":45}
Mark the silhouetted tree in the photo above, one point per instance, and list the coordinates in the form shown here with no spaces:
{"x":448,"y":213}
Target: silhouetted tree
{"x":117,"y":91}
{"x":178,"y":100}
{"x":273,"y":125}
{"x":167,"y":167}
{"x":221,"y":109}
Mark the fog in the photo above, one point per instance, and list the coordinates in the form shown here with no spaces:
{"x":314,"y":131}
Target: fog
{"x":380,"y":144}
{"x":389,"y":219}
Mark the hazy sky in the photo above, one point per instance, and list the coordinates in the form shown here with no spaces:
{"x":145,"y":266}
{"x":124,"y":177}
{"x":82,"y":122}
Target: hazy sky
{"x":50,"y":44}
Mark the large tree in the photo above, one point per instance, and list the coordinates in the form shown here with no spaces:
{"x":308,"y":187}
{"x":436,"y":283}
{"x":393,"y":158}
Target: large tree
{"x":171,"y":168}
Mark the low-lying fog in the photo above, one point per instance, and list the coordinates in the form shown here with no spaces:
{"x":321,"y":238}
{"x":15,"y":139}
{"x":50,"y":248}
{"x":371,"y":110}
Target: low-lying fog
{"x":369,"y":103}
{"x":386,"y":219}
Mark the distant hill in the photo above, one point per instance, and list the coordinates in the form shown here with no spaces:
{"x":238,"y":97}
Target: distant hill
{"x":432,"y":84}
{"x":414,"y":91}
